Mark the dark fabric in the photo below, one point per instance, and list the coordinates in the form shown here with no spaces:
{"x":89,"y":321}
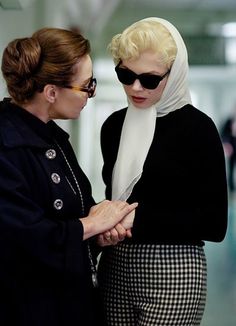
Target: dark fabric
{"x":182,"y":193}
{"x":44,"y":272}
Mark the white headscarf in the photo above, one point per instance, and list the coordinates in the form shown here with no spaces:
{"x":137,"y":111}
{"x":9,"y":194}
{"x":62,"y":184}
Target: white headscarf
{"x":139,"y":124}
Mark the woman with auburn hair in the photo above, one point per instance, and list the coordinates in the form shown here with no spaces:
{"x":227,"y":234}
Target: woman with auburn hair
{"x":48,"y":217}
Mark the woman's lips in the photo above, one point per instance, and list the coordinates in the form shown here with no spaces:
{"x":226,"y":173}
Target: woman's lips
{"x":138,"y":99}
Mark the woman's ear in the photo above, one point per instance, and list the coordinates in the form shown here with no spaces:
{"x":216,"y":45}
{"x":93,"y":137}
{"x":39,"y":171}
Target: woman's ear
{"x":50,"y":93}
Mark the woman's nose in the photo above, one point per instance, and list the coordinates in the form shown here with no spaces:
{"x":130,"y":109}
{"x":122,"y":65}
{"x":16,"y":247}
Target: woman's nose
{"x":137,"y":85}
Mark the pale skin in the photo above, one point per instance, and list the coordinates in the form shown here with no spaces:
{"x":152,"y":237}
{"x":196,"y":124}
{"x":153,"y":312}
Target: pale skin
{"x":146,"y":63}
{"x":54,"y":101}
{"x":105,"y":216}
{"x":143,"y":98}
{"x":63,"y":103}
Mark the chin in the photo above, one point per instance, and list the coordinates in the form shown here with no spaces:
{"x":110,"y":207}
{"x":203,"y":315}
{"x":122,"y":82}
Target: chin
{"x":76,"y":116}
{"x":141,"y":105}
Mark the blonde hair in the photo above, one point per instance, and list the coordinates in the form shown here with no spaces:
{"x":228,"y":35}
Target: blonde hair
{"x":48,"y":57}
{"x":142,"y":36}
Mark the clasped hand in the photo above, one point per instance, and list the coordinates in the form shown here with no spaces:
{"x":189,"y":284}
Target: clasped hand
{"x":118,"y":233}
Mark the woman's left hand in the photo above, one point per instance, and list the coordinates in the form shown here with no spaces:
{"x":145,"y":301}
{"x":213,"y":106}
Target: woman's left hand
{"x":113,"y":236}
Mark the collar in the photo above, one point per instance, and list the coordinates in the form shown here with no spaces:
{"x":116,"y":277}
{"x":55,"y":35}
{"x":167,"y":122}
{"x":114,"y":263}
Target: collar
{"x":19,"y":127}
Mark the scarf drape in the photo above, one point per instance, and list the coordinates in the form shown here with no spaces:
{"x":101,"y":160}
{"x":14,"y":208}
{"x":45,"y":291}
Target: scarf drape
{"x":139,"y":124}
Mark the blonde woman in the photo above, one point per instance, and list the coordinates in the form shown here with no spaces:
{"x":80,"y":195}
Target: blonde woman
{"x":166,"y":154}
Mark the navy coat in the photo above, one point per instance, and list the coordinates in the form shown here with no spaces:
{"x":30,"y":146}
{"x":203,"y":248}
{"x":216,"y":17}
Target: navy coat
{"x":44,"y":268}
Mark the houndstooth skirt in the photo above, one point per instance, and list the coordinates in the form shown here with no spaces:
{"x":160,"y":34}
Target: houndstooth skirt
{"x":153,"y":285}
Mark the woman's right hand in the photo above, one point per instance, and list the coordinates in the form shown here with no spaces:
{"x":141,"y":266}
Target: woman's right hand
{"x":118,"y":233}
{"x":104,"y":216}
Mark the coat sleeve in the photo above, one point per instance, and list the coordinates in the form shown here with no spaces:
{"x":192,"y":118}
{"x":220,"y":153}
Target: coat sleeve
{"x":212,"y":205}
{"x":26,"y":231}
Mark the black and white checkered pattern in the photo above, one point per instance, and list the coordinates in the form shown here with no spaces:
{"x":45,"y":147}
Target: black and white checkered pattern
{"x":153,"y":285}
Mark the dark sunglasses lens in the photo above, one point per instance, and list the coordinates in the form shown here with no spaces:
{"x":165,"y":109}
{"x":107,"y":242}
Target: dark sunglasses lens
{"x":128,"y":77}
{"x":125,"y":76}
{"x":150,"y":81}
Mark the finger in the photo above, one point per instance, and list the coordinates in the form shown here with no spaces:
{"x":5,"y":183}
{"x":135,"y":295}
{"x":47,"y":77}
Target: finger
{"x":121,"y":231}
{"x":133,"y":205}
{"x":128,"y":220}
{"x":114,"y":236}
{"x":128,"y":209}
{"x":129,"y":233}
{"x":107,"y":235}
{"x":101,"y":241}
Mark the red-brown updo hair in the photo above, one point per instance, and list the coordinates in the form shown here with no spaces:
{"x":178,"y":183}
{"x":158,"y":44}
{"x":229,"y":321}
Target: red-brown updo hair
{"x":48,"y":57}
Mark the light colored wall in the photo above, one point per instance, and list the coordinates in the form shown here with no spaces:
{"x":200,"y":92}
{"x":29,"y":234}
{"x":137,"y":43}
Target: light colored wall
{"x":34,"y":14}
{"x":23,"y":22}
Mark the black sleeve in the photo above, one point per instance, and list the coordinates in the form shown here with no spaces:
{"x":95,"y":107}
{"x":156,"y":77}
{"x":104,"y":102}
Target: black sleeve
{"x":188,"y":198}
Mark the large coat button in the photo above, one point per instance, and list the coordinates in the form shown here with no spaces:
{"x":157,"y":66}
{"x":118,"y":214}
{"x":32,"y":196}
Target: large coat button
{"x":58,"y":204}
{"x":55,"y":178}
{"x":51,"y":154}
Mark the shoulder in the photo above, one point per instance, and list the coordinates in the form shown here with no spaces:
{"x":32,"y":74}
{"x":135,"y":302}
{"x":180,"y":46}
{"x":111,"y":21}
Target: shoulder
{"x":189,"y":125}
{"x":117,"y":115}
{"x":115,"y":120}
{"x":191,"y":112}
{"x":192,"y":117}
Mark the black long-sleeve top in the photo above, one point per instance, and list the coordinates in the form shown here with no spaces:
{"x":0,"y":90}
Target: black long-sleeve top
{"x":182,"y":193}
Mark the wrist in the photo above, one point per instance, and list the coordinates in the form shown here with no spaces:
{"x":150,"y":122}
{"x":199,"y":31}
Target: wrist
{"x":88,"y":226}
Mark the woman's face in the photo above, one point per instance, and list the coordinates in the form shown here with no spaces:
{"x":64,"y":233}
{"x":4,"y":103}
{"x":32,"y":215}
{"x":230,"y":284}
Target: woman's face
{"x":70,"y":102}
{"x":138,"y":95}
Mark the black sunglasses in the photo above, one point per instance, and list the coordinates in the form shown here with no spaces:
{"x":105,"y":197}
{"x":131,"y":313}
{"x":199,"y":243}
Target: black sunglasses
{"x":90,"y":89}
{"x":128,"y":77}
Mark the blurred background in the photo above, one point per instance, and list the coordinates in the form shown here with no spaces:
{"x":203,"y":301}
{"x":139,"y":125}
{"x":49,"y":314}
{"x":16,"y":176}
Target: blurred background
{"x":209,"y":30}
